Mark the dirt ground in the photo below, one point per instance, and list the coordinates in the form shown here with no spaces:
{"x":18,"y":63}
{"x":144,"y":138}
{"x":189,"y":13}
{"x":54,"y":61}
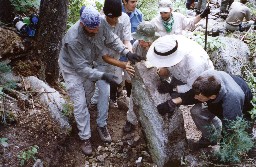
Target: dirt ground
{"x":36,"y":127}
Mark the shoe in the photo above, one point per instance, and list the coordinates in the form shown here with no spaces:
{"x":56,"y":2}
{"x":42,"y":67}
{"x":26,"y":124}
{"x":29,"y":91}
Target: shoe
{"x":104,"y":134}
{"x":87,"y":147}
{"x":128,"y":127}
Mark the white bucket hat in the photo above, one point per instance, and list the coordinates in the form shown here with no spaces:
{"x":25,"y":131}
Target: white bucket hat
{"x":168,"y":50}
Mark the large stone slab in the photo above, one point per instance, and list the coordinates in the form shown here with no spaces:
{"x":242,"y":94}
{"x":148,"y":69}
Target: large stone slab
{"x":166,"y":137}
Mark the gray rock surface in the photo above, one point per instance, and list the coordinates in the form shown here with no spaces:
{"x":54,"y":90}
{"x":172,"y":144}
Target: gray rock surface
{"x":50,"y":98}
{"x":231,"y":57}
{"x":166,"y":137}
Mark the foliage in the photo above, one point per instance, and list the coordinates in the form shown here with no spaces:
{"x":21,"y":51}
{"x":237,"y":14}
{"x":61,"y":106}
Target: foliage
{"x":4,"y":68}
{"x":75,"y":6}
{"x":179,"y":6}
{"x":148,"y":8}
{"x":67,"y":109}
{"x":236,"y":141}
{"x":73,"y":11}
{"x":25,"y":156}
{"x":252,"y":8}
{"x":250,"y":40}
{"x":213,"y":43}
{"x":24,"y":6}
{"x":251,"y":81}
{"x":3,"y":142}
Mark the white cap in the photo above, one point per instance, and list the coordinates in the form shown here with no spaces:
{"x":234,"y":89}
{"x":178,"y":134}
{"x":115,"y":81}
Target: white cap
{"x":164,"y":6}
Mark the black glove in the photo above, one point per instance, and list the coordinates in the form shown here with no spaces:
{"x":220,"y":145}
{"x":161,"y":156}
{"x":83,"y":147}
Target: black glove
{"x":133,"y":57}
{"x":166,"y":107}
{"x":110,"y":78}
{"x":165,"y":87}
{"x":205,"y":12}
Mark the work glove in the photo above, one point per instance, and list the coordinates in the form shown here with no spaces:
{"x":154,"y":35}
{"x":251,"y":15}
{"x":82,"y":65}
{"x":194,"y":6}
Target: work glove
{"x":165,"y":87}
{"x":133,"y":57}
{"x":166,"y":107}
{"x":109,"y":78}
{"x":205,"y":12}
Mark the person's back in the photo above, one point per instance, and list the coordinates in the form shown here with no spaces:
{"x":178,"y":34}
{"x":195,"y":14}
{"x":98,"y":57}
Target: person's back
{"x":238,"y":11}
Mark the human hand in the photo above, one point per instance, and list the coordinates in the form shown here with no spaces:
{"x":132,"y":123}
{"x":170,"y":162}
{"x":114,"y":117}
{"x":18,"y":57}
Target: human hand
{"x":129,"y":68}
{"x":133,"y":57}
{"x":166,"y":107}
{"x":205,"y":12}
{"x":165,"y":87}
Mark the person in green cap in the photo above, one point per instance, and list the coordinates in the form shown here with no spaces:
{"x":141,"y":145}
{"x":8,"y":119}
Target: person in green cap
{"x":145,"y":35}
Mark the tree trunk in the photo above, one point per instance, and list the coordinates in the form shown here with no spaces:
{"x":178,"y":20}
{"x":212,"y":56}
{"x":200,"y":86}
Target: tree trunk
{"x":6,"y":11}
{"x":52,"y":26}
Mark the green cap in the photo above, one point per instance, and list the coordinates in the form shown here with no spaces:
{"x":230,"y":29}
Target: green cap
{"x":146,"y":32}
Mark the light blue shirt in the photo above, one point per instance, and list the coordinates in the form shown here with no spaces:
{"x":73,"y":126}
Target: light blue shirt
{"x":135,"y":18}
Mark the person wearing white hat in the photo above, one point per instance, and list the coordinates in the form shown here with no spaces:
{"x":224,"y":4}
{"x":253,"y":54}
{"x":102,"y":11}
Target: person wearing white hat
{"x":184,"y":58}
{"x":169,"y":22}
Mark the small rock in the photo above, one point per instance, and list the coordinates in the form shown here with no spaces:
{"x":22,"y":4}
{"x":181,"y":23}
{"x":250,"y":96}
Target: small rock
{"x":87,"y":164}
{"x":100,"y":148}
{"x":100,"y":158}
{"x":138,"y":161}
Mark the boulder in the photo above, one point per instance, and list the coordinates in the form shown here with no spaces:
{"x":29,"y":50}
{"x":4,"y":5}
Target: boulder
{"x":232,"y":56}
{"x":166,"y":137}
{"x":50,"y":98}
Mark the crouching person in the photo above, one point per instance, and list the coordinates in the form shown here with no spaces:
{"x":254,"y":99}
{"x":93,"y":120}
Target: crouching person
{"x":218,"y":98}
{"x":145,"y":35}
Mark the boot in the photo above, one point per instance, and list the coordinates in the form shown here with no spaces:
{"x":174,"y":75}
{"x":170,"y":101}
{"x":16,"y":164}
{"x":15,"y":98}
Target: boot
{"x":104,"y":134}
{"x":87,"y":147}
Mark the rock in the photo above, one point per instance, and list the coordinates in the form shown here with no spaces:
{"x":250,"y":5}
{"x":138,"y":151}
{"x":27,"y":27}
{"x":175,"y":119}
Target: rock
{"x":231,"y":57}
{"x":38,"y":163}
{"x":166,"y":137}
{"x":138,"y":161}
{"x":50,"y":98}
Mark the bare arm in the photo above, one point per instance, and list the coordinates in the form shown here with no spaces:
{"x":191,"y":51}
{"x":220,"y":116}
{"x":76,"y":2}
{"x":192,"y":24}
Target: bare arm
{"x":197,"y":19}
{"x":125,"y":65}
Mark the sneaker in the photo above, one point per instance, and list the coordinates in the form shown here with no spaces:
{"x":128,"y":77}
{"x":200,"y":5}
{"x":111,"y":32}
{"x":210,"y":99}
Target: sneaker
{"x":128,"y":127}
{"x":87,"y":147}
{"x":104,"y":134}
